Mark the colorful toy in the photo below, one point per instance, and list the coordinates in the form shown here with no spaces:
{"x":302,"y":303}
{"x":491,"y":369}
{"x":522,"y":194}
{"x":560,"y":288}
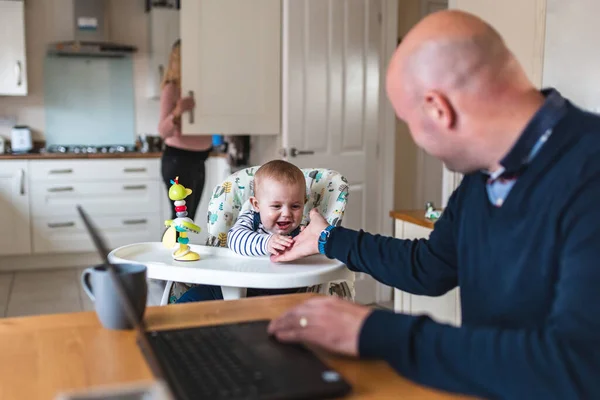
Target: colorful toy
{"x":431,"y":213}
{"x":182,"y":225}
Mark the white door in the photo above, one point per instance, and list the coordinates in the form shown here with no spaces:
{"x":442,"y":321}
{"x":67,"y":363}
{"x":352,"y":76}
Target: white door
{"x":14,"y":208}
{"x":231,"y":65}
{"x":331,"y":87}
{"x":13,"y":75}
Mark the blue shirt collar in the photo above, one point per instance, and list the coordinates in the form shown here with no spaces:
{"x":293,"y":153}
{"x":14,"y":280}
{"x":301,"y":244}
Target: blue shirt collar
{"x":544,"y":120}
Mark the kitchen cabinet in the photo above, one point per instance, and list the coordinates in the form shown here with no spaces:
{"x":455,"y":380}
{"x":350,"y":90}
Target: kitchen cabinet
{"x":123,"y":200}
{"x":15,"y":236}
{"x":164,"y":31}
{"x":446,"y":308}
{"x":231,"y":65}
{"x":13,"y":66}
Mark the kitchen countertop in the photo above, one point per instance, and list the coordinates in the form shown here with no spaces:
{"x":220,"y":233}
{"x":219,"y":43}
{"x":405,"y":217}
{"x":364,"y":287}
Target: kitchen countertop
{"x":413,"y":216}
{"x":74,"y":156}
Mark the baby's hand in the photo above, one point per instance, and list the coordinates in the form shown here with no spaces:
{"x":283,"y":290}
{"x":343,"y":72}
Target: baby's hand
{"x":279,"y":243}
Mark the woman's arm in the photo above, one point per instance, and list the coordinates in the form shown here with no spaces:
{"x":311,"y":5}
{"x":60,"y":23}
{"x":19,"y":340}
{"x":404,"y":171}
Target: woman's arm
{"x":169,"y":117}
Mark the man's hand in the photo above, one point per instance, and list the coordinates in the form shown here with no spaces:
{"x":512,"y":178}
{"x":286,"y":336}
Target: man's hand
{"x":327,"y":322}
{"x":307,"y":242}
{"x":279,"y":243}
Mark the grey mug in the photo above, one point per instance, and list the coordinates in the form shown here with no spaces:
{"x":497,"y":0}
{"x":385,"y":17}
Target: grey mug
{"x":101,"y":289}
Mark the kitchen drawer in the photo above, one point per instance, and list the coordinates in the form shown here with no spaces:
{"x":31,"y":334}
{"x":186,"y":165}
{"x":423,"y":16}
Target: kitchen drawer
{"x":97,"y":170}
{"x":100,"y":198}
{"x":68,"y":234}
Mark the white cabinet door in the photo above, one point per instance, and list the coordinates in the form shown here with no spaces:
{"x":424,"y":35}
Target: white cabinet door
{"x":61,"y":171}
{"x":96,"y":197}
{"x":444,"y":308}
{"x":164,"y":31}
{"x":67,"y":234}
{"x":14,"y":208}
{"x":231,"y":65}
{"x":13,"y":68}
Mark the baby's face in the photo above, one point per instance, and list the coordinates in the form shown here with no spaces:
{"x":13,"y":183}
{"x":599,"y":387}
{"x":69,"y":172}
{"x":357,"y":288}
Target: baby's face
{"x":280,"y":205}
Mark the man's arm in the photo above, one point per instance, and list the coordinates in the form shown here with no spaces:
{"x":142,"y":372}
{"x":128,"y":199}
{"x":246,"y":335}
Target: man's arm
{"x":243,"y":240}
{"x":424,"y":267}
{"x":558,"y":359}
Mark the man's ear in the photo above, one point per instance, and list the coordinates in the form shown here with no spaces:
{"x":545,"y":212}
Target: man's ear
{"x":254,"y":203}
{"x":439,"y":109}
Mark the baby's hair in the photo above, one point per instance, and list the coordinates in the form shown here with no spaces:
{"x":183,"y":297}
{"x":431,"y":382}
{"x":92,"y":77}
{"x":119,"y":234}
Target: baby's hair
{"x":281,"y":171}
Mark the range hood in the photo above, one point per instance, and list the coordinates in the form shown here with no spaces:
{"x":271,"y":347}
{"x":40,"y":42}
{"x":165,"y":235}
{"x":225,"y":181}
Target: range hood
{"x":87,"y":32}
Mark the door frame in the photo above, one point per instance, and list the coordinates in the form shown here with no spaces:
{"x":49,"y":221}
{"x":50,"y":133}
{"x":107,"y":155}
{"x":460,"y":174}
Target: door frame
{"x":386,"y":144}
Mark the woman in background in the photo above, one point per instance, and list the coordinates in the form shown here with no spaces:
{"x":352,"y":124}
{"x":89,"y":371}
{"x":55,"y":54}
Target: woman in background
{"x":184,"y":156}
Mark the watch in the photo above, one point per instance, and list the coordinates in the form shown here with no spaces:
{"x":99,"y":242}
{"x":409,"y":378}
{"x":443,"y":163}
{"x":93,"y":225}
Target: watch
{"x":323,"y":238}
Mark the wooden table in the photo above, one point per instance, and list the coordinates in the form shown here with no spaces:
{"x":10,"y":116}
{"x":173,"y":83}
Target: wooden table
{"x":44,"y":355}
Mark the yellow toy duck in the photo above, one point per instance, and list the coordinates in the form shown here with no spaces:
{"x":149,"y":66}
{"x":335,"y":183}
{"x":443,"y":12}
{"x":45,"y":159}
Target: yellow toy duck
{"x":182,"y":224}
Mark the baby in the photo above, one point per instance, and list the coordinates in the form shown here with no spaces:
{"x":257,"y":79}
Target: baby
{"x":267,"y":228}
{"x":276,"y":214}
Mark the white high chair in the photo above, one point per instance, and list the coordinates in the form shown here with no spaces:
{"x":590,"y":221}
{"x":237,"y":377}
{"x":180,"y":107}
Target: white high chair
{"x":327,"y":192}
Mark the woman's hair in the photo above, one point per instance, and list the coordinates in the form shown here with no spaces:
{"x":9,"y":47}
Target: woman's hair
{"x":173,"y":73}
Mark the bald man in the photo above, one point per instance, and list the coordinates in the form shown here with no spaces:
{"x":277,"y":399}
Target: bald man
{"x":520,"y":236}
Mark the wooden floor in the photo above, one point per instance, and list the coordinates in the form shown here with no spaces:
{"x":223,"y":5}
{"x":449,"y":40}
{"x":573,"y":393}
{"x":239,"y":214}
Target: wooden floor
{"x":51,"y":292}
{"x":58,"y":291}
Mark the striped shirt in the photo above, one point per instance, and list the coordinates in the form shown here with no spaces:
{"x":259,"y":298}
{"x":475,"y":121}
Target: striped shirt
{"x":244,"y":239}
{"x":248,"y":236}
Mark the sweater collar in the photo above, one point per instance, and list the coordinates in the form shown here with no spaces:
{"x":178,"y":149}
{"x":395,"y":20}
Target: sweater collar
{"x":545,"y":119}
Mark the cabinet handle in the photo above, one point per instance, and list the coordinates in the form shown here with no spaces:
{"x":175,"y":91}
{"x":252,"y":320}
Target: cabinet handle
{"x":134,"y":170}
{"x":191,"y":94}
{"x":22,"y":185}
{"x":61,"y":225}
{"x":61,"y":171}
{"x":19,"y":73}
{"x":61,"y":189}
{"x":134,"y":187}
{"x":135,"y":221}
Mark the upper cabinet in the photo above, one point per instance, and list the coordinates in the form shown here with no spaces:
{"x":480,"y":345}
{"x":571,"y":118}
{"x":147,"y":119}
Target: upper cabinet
{"x":13,"y":68}
{"x":231,"y":65}
{"x":164,"y":31}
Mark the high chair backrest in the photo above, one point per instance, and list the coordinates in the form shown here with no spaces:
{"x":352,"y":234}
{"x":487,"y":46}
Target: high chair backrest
{"x":327,"y":191}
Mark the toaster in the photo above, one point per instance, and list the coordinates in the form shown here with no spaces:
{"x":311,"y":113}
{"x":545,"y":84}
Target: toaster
{"x":20,"y":139}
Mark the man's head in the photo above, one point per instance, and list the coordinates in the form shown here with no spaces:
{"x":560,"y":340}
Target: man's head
{"x":279,"y":196}
{"x":457,"y":86}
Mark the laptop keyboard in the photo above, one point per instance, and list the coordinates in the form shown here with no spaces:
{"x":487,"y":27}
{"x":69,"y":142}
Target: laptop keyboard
{"x":210,"y":362}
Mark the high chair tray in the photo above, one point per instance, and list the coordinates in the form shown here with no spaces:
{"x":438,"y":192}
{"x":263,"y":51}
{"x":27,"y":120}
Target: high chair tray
{"x":222,"y":267}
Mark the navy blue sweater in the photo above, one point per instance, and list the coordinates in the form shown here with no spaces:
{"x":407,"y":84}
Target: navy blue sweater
{"x":529,"y":275}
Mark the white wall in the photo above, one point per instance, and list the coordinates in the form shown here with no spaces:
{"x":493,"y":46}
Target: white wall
{"x":45,"y":22}
{"x":264,"y":148}
{"x":571,"y":59}
{"x":520,"y":22}
{"x":405,"y":182}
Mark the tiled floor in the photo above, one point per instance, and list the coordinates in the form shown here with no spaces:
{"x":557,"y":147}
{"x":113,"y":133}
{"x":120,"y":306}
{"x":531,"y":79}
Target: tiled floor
{"x":56,"y":291}
{"x":50,"y":292}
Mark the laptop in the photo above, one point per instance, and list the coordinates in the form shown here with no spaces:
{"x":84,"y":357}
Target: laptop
{"x":229,"y":361}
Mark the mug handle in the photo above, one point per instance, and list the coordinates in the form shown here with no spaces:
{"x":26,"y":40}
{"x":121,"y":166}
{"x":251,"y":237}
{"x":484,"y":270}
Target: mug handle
{"x":85,"y":282}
